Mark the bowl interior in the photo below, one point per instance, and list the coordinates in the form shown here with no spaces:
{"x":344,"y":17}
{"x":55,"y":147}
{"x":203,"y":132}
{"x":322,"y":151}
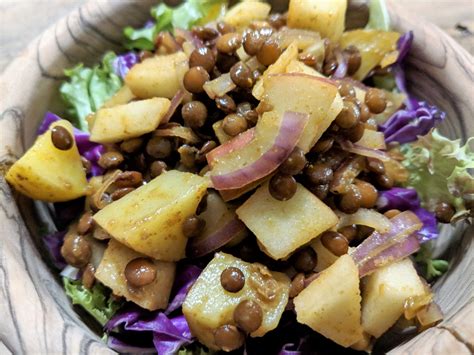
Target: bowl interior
{"x":438,"y":70}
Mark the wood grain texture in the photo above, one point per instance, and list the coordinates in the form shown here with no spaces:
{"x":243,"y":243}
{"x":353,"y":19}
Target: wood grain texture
{"x":36,"y":316}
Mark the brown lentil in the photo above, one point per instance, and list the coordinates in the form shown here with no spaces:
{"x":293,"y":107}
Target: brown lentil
{"x":364,"y":112}
{"x":305,"y":260}
{"x":205,"y":33}
{"x":277,"y":20}
{"x":349,"y":115}
{"x":173,"y":3}
{"x":159,"y":147}
{"x":145,"y":55}
{"x":363,"y":232}
{"x":248,"y":316}
{"x":207,"y":147}
{"x":320,"y":191}
{"x":319,"y":173}
{"x":194,"y":79}
{"x":193,"y":226}
{"x":194,"y":114}
{"x":232,"y":279}
{"x":61,"y":138}
{"x":375,"y":165}
{"x":355,"y":133}
{"x":384,"y":181}
{"x":391,"y":213}
{"x":368,"y":193}
{"x":353,"y":59}
{"x":110,"y":160}
{"x":253,"y":40}
{"x":85,"y":223}
{"x":346,"y":89}
{"x":88,"y":276}
{"x":131,"y":145}
{"x":282,"y":187}
{"x":376,"y":100}
{"x":245,"y":110}
{"x":349,"y":232}
{"x":119,"y":193}
{"x":444,"y":212}
{"x":226,"y":61}
{"x":295,"y":163}
{"x":140,"y":272}
{"x":241,"y":75}
{"x":297,"y":285}
{"x":335,"y":242}
{"x":269,"y":52}
{"x":76,"y":250}
{"x":350,"y":202}
{"x":86,"y":164}
{"x":234,"y":124}
{"x":224,"y":28}
{"x":228,"y":43}
{"x":228,"y":337}
{"x":129,"y":179}
{"x":202,"y":57}
{"x":323,"y":145}
{"x":308,"y":59}
{"x":157,"y":168}
{"x":226,"y":103}
{"x":330,"y":67}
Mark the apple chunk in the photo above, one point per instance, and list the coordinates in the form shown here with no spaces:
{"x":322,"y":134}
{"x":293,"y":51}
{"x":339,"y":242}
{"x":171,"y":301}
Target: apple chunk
{"x":208,"y":305}
{"x":330,"y":304}
{"x":111,"y":272}
{"x":384,"y":295}
{"x":309,"y":94}
{"x":281,"y":227}
{"x":149,"y":219}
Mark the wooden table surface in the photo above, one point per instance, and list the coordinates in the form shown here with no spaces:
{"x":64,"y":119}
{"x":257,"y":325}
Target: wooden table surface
{"x":22,"y":20}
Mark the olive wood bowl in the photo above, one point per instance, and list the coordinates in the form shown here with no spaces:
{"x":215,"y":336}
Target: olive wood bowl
{"x":35,"y":314}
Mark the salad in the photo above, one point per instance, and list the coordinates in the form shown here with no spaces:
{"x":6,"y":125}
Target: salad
{"x":240,"y":180}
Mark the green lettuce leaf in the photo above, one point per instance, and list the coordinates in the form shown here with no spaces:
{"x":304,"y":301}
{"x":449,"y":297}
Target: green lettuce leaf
{"x":188,"y":14}
{"x":379,"y":18}
{"x":433,"y":268}
{"x":94,"y":301}
{"x":88,"y":88}
{"x":440,"y":171}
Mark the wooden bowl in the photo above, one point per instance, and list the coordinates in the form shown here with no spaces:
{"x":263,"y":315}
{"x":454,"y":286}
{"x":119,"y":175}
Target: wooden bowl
{"x":37,"y":317}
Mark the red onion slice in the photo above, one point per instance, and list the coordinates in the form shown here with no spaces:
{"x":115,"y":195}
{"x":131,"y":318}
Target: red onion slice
{"x":365,"y":217}
{"x":219,"y":86}
{"x":235,"y":143}
{"x":403,"y":225}
{"x":342,"y":65}
{"x":175,"y":102}
{"x":363,"y":151}
{"x":202,"y":246}
{"x":290,"y":129}
{"x":188,"y":36}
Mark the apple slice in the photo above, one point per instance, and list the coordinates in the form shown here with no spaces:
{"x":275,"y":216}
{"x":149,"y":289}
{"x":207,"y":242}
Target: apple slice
{"x":274,"y":140}
{"x":222,"y":226}
{"x":309,"y":94}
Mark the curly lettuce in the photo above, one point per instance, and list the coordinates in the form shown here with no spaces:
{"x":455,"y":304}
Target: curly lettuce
{"x":88,"y":88}
{"x":186,"y":15}
{"x":94,"y":301}
{"x":440,"y":171}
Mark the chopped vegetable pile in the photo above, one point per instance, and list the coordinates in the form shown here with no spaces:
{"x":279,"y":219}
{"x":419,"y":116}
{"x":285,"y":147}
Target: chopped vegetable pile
{"x":243,"y":180}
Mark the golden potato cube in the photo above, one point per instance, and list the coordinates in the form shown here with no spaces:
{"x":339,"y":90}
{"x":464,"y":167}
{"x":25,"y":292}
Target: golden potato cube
{"x":244,"y":13}
{"x":111,"y":272}
{"x":208,"y":305}
{"x":325,"y":257}
{"x":127,"y":121}
{"x":384,"y":295}
{"x":330,"y":304}
{"x":47,"y":173}
{"x":149,"y":219}
{"x":281,"y":227}
{"x":159,"y":76}
{"x":324,"y":16}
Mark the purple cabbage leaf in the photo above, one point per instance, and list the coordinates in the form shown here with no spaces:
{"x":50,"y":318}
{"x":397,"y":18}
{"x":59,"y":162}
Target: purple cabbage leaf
{"x":124,"y":62}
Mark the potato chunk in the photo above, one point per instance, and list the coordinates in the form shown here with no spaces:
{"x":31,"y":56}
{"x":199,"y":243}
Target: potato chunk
{"x":330,"y":304}
{"x":324,"y":16}
{"x":281,"y":227}
{"x":47,"y":173}
{"x":149,"y":220}
{"x":208,"y":305}
{"x":325,"y":257}
{"x":384,"y":295}
{"x":127,"y":121}
{"x":242,"y":14}
{"x":111,"y":273}
{"x":159,"y":76}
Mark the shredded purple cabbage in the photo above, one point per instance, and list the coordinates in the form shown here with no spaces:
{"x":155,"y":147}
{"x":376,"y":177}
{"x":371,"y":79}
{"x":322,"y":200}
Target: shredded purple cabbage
{"x":184,"y":280}
{"x":404,"y":45}
{"x":89,"y":150}
{"x":123,"y":347}
{"x":53,"y":243}
{"x":407,"y":124}
{"x":404,"y":199}
{"x":122,"y":63}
